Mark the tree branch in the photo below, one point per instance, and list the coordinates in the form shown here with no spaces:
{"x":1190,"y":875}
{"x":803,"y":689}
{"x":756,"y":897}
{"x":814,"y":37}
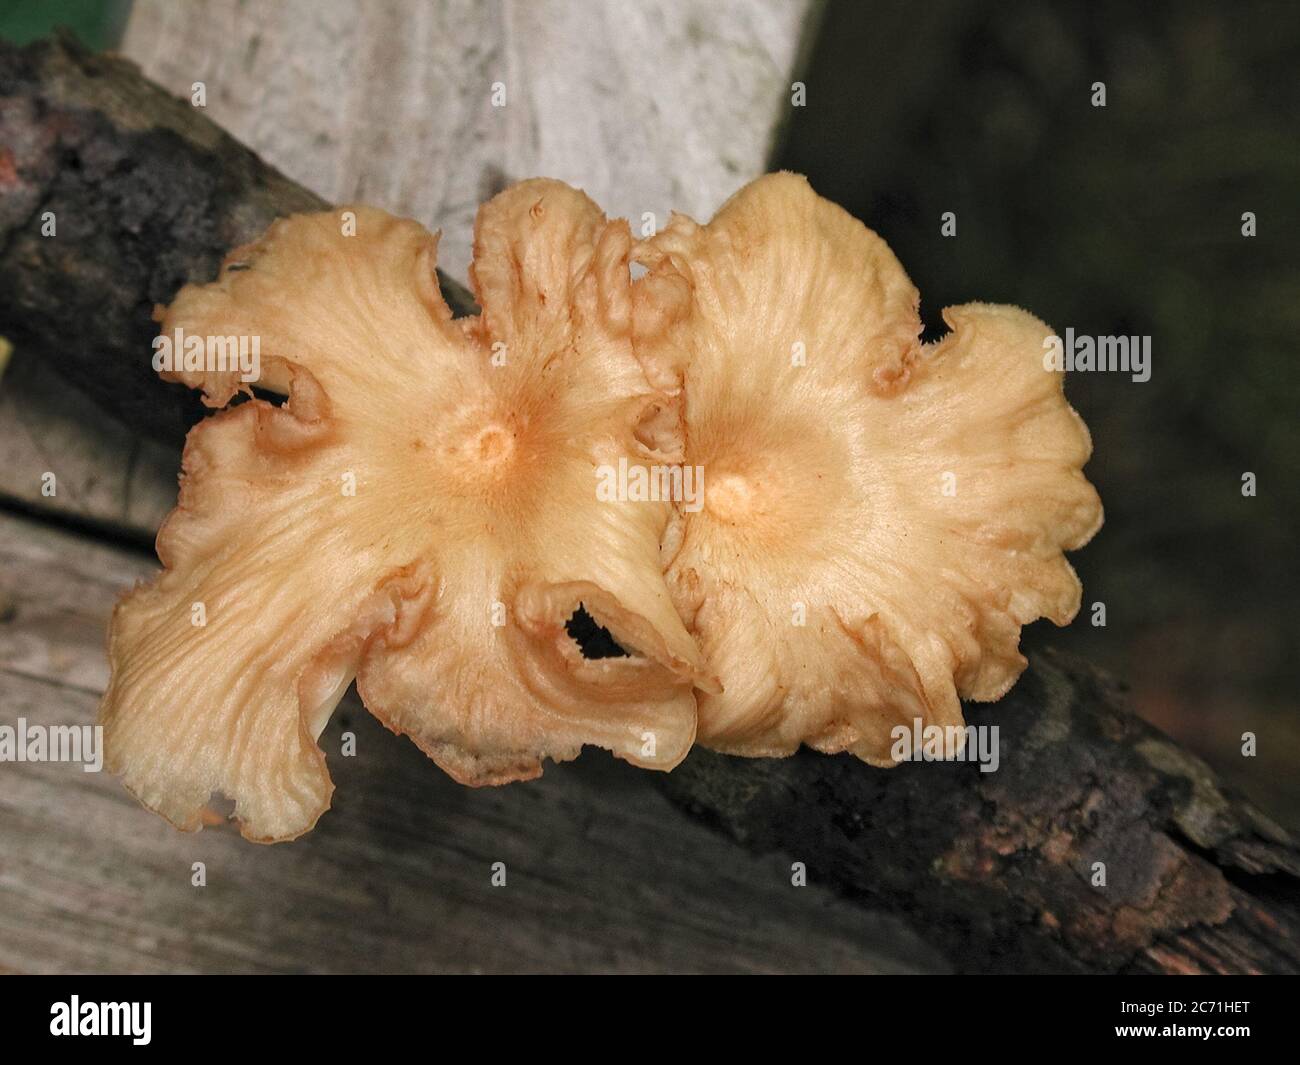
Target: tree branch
{"x":998,"y":869}
{"x":145,"y":194}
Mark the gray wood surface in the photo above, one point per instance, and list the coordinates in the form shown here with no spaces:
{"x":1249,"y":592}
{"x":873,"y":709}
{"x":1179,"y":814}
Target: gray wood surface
{"x":602,"y":872}
{"x":652,"y":106}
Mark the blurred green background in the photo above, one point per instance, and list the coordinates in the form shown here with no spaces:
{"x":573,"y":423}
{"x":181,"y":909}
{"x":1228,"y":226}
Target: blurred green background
{"x":97,"y":22}
{"x":1119,"y":220}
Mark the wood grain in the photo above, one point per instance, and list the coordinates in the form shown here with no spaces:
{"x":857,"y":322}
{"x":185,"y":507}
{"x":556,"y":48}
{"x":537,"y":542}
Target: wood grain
{"x":602,"y":872}
{"x":652,"y":107}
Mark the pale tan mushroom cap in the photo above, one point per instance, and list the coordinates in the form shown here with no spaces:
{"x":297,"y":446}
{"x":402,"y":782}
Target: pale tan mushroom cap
{"x":880,"y":517}
{"x":444,"y":579}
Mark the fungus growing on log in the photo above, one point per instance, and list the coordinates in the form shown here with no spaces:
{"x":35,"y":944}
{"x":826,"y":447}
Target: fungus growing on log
{"x":427,"y":513}
{"x":880,"y":516}
{"x":419,"y":514}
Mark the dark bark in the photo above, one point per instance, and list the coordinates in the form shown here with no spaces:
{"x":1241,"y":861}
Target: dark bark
{"x":996,"y":869}
{"x":147,"y":194}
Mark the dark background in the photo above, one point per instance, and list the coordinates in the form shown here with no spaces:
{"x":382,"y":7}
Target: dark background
{"x":1122,"y":220}
{"x":1119,"y":220}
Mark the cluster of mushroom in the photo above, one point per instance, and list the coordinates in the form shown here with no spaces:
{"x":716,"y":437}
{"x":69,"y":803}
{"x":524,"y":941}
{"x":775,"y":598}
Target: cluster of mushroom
{"x":878,"y":519}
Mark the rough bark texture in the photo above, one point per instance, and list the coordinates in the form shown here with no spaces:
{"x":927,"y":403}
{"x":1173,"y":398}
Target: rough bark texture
{"x":146,"y":194}
{"x":996,"y":869}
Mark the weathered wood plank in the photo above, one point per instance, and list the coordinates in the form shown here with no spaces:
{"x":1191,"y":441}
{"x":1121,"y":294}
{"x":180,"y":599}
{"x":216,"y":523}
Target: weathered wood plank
{"x":651,"y":107}
{"x":603,"y":873}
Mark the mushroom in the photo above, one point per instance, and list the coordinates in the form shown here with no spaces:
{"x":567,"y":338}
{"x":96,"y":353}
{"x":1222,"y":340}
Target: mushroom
{"x":424,"y":512}
{"x":880,"y":516}
{"x":419,"y":514}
